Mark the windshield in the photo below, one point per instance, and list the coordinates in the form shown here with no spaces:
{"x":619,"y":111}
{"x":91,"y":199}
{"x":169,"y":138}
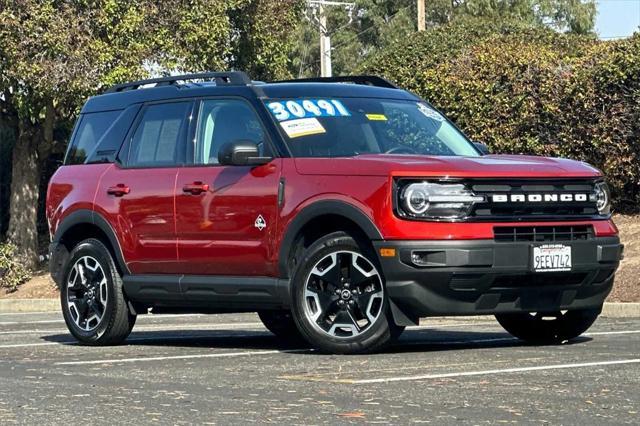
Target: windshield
{"x":345,"y":127}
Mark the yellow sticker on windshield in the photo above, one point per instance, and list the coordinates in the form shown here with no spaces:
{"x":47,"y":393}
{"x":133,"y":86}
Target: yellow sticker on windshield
{"x":376,"y":117}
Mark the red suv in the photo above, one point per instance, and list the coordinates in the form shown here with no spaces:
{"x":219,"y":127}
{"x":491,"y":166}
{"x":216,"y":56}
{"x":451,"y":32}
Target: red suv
{"x":340,"y":209}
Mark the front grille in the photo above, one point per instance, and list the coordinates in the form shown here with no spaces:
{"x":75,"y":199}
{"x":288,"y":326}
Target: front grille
{"x":510,"y":234}
{"x":534,"y":199}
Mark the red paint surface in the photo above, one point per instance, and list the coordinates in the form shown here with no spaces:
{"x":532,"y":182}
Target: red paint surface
{"x":163,"y":229}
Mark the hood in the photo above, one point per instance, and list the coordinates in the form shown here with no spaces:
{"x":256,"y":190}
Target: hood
{"x":526,"y":166}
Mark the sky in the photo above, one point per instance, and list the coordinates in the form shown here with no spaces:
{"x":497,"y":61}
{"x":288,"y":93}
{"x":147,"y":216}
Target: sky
{"x":617,"y":18}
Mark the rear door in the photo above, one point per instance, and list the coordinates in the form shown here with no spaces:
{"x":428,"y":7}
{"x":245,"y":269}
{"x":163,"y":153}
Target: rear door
{"x":226,"y":215}
{"x":138,"y":191}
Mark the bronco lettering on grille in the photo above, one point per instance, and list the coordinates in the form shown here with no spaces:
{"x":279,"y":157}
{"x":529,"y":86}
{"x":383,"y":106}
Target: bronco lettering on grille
{"x":538,"y":198}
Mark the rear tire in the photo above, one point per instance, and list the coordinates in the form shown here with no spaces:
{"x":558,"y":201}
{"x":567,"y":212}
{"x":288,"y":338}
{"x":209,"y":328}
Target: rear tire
{"x":92,"y":298}
{"x":548,"y":328}
{"x":281,"y":324}
{"x":340,"y":303}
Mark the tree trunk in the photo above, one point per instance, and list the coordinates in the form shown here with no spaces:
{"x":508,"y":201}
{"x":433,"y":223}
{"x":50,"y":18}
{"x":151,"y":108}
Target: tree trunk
{"x":23,"y":210}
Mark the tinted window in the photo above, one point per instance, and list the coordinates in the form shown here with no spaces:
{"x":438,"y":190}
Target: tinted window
{"x":224,"y":121}
{"x":91,"y":129}
{"x":158,"y":138}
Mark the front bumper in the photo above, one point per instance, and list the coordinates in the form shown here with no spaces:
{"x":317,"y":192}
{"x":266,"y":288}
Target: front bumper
{"x":474,"y":277}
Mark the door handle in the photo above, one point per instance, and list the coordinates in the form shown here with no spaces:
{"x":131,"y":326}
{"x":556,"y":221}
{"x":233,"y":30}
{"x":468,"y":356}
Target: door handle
{"x":119,"y":190}
{"x":195,"y":188}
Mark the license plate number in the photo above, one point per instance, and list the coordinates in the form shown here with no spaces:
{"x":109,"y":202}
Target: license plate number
{"x":551,"y":257}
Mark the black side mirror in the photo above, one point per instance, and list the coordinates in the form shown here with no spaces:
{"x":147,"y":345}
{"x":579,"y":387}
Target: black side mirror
{"x":241,"y":153}
{"x":484,"y":149}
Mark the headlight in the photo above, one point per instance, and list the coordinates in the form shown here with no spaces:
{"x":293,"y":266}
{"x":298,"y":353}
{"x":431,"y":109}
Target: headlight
{"x":431,"y":200}
{"x":603,"y":198}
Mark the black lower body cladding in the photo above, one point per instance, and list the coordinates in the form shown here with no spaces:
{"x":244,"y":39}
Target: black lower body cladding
{"x":474,"y":277}
{"x":58,"y":257}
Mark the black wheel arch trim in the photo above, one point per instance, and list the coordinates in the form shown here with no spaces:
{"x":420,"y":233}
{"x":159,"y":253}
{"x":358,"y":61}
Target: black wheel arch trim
{"x":317,"y":209}
{"x":85,"y":216}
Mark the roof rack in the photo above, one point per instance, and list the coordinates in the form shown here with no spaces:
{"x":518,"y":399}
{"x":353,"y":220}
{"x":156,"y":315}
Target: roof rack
{"x":232,"y":78}
{"x":369,"y":80}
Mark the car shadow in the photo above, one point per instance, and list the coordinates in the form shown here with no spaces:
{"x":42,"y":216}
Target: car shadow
{"x":423,"y":340}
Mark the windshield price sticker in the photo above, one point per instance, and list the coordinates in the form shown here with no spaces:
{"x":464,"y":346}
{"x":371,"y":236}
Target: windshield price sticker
{"x":293,"y":109}
{"x":429,"y":112}
{"x":302,"y":127}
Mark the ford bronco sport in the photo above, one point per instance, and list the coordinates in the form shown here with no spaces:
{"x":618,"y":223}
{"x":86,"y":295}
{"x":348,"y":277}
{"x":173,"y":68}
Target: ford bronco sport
{"x":340,"y":209}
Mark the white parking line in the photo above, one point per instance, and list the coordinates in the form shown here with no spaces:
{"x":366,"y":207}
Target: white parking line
{"x":488,"y":372}
{"x":26,"y":345}
{"x":61,"y":321}
{"x":32,"y":322}
{"x":29,"y":313}
{"x":164,"y":358}
{"x":604,"y":333}
{"x":185,"y":327}
{"x":135,"y":339}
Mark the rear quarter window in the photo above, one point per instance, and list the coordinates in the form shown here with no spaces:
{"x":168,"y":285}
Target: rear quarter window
{"x":91,"y":128}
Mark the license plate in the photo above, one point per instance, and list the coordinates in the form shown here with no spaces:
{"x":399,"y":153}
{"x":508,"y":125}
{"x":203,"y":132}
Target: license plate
{"x":551,"y":257}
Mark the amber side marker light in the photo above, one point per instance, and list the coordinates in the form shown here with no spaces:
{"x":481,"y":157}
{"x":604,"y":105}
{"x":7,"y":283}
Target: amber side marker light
{"x":387,"y":252}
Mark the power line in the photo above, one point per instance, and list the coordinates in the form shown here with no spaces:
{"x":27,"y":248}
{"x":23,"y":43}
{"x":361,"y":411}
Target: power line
{"x":316,"y":8}
{"x":372,"y":27}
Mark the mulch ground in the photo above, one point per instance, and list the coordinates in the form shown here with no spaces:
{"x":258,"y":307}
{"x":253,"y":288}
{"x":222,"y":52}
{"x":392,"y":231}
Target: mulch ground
{"x":41,"y":286}
{"x":627,"y":284}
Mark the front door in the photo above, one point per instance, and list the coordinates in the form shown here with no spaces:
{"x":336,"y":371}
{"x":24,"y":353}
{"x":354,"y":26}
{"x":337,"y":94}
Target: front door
{"x":226,"y":215}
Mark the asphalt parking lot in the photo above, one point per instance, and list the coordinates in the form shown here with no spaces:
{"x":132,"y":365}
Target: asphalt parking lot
{"x":227,"y":369}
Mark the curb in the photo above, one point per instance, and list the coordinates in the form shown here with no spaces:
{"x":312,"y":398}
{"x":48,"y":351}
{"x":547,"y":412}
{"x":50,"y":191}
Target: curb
{"x":621,"y":310}
{"x":8,"y":306}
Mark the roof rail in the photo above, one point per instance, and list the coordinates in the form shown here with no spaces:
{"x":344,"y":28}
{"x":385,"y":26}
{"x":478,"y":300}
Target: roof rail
{"x":233,"y":78}
{"x":369,"y":80}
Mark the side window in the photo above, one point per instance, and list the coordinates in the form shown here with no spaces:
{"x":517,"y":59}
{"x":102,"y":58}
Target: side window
{"x":222,"y":121}
{"x":158,"y":139}
{"x":91,"y":129}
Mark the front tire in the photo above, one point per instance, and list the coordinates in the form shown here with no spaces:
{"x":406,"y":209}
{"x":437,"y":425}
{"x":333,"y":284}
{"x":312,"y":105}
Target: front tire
{"x":93,"y":302}
{"x":339,"y":300}
{"x":548,"y":328}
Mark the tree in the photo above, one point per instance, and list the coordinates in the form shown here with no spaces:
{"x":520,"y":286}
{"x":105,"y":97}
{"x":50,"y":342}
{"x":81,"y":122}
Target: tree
{"x":56,"y":53}
{"x":379,"y":23}
{"x":266,"y":37}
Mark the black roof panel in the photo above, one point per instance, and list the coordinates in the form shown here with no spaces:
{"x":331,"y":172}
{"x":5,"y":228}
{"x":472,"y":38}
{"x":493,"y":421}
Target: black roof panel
{"x":121,"y":100}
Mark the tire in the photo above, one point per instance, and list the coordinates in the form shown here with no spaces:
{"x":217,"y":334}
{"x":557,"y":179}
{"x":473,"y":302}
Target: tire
{"x":340,"y":303}
{"x":281,"y":324}
{"x":93,"y":304}
{"x":548,"y":328}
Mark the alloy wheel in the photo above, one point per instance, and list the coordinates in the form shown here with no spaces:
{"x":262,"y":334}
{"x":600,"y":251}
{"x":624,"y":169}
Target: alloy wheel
{"x":343,"y":294}
{"x":87,"y":293}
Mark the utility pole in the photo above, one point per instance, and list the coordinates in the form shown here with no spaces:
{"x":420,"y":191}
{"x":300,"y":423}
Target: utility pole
{"x":325,"y":43}
{"x":422,"y":24}
{"x":316,"y":12}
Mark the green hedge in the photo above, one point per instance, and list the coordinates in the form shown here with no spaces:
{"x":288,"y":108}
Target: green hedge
{"x":532,"y":91}
{"x":12,"y":273}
